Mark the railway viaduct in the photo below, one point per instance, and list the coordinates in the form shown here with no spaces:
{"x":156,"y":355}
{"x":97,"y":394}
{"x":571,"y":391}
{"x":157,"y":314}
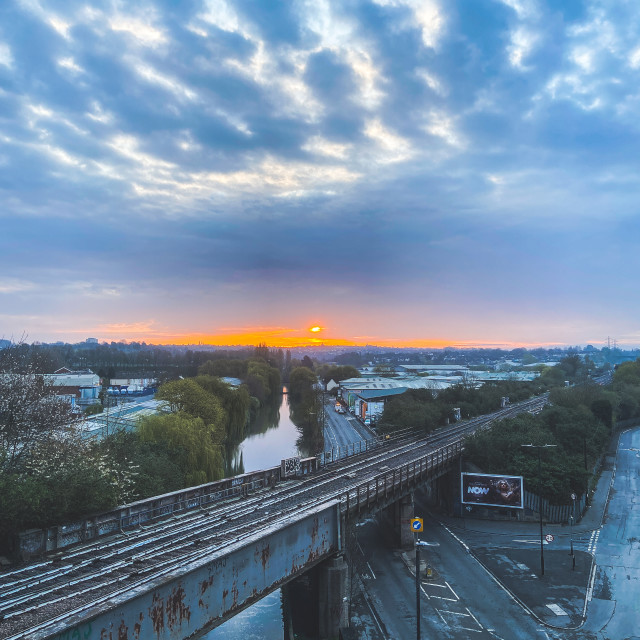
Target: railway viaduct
{"x":186,"y":562}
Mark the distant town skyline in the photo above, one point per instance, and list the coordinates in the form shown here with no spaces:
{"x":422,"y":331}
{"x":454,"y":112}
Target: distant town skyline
{"x":396,"y":172}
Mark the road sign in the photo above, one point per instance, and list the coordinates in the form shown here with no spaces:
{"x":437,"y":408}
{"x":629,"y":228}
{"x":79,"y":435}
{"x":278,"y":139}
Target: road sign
{"x":549,"y":537}
{"x":416,"y":525}
{"x":573,"y":496}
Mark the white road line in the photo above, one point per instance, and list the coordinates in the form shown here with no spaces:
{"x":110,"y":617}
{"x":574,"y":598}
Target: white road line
{"x":373,"y":575}
{"x":590,"y":587}
{"x":468,"y":629}
{"x":425,"y":593}
{"x":447,"y":599}
{"x":455,"y":537}
{"x":435,"y":584}
{"x":441,"y":618}
{"x":452,"y":591}
{"x":476,"y":619}
{"x":457,"y":613}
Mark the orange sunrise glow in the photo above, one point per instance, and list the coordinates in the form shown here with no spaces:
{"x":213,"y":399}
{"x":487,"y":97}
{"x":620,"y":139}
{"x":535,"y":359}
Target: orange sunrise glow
{"x":284,"y":338}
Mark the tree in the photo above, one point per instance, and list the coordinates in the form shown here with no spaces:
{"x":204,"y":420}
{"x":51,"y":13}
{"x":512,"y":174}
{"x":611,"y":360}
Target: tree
{"x":188,"y":397}
{"x":336,"y":372}
{"x":236,"y":404}
{"x":196,"y":445}
{"x":31,"y":414}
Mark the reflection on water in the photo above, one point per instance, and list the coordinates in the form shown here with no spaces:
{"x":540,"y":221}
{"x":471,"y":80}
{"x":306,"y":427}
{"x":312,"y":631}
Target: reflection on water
{"x":261,"y":621}
{"x":271,"y":437}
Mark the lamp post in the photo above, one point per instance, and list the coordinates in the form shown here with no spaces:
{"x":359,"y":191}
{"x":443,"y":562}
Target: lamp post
{"x":571,"y":519}
{"x":539,"y":447}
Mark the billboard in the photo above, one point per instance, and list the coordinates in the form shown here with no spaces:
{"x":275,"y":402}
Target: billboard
{"x":491,"y":491}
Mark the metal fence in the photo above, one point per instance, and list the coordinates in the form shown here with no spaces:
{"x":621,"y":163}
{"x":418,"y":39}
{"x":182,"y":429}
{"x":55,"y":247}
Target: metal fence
{"x":554,"y":513}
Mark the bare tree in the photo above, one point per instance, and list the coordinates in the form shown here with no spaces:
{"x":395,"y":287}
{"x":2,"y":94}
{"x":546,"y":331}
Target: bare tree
{"x":31,"y":414}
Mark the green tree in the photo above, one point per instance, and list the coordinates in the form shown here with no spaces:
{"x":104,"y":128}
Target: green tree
{"x":236,"y":404}
{"x":187,"y":396}
{"x":196,"y":444}
{"x":336,"y":372}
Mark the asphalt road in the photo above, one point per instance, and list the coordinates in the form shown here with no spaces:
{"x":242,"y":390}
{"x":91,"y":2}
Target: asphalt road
{"x":614,"y":610}
{"x":462,"y":601}
{"x":342,"y":429}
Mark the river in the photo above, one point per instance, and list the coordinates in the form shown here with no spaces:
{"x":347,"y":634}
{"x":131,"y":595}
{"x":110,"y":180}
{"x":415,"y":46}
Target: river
{"x":271,"y":437}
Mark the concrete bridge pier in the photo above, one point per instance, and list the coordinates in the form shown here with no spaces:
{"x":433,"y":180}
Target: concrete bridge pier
{"x":396,"y":521}
{"x":317,"y":601}
{"x":333,"y":601}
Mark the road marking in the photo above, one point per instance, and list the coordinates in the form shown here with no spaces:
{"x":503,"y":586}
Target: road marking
{"x":425,"y":593}
{"x":375,"y":614}
{"x":593,"y":542}
{"x":373,"y":575}
{"x":592,"y":578}
{"x":452,"y":591}
{"x":457,"y":613}
{"x":441,"y":618}
{"x":442,"y":598}
{"x":435,"y":584}
{"x":476,"y":619}
{"x":557,"y":609}
{"x":455,"y":537}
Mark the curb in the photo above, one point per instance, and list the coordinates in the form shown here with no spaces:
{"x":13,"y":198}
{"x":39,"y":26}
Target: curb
{"x":411,"y":567}
{"x":513,"y":596}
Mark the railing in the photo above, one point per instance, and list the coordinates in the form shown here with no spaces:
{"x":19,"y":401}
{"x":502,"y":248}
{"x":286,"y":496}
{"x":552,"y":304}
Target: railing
{"x":38,"y":541}
{"x":362,"y":446}
{"x":389,"y":485}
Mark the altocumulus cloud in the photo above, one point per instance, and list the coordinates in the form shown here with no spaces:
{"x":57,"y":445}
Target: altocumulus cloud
{"x":416,"y":147}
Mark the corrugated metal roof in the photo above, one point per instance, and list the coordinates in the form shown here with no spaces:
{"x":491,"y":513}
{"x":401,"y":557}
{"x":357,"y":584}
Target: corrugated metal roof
{"x":371,"y":394}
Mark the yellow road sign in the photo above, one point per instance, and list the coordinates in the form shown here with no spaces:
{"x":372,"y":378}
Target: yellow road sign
{"x":416,"y":525}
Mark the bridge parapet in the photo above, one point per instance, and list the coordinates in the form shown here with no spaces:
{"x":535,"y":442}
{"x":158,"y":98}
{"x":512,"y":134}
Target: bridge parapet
{"x":393,"y":484}
{"x":39,"y":541}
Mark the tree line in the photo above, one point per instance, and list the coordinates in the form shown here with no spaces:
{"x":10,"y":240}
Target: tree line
{"x":50,"y":473}
{"x":579,"y":422}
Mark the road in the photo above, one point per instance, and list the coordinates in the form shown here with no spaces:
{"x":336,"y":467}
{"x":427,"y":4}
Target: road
{"x":461,"y":602}
{"x":342,"y":429}
{"x":614,"y":612}
{"x":610,"y":531}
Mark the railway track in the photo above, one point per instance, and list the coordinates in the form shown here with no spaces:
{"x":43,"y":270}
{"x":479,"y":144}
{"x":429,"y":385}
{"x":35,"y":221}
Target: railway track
{"x":85,"y":575}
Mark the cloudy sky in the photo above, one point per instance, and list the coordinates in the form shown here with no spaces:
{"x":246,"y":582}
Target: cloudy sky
{"x":393,"y":171}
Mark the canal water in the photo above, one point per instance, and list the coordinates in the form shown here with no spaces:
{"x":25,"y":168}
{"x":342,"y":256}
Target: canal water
{"x":271,"y":437}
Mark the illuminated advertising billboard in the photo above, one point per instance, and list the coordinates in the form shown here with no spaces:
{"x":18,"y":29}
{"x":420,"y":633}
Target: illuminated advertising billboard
{"x":491,"y":491}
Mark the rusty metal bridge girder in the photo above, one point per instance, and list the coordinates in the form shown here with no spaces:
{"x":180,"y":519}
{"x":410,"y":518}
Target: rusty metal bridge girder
{"x":203,"y":595}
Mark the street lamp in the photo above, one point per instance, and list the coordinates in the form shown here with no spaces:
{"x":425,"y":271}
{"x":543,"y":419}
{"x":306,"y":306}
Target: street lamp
{"x":571,"y":519}
{"x":539,"y":447}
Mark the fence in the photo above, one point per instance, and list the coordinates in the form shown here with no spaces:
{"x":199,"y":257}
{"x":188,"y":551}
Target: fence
{"x":555,"y":513}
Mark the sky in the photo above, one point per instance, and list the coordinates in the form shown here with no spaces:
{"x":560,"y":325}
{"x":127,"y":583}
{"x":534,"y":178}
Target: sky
{"x":395,"y":172}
